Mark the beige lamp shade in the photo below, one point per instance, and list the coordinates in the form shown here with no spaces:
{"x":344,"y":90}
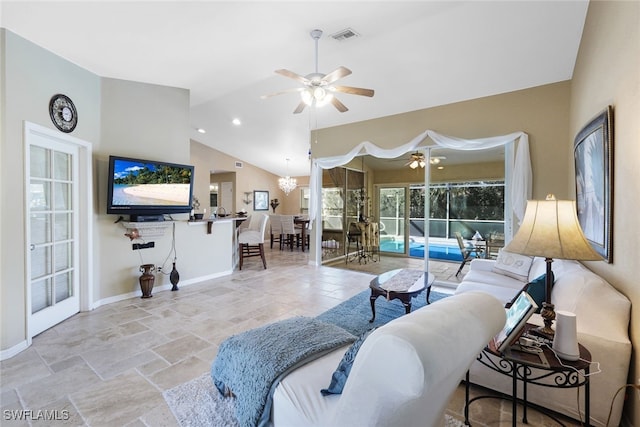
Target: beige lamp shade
{"x":550,"y":229}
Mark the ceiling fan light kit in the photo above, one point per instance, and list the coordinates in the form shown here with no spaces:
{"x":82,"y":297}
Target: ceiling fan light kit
{"x":417,"y":159}
{"x":318,"y":89}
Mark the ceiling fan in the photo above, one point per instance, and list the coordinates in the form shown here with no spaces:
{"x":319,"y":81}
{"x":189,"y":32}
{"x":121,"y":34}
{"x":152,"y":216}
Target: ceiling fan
{"x":417,"y":159}
{"x":318,"y":88}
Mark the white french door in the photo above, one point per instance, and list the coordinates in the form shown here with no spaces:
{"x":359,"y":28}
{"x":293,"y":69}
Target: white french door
{"x":52,"y":170}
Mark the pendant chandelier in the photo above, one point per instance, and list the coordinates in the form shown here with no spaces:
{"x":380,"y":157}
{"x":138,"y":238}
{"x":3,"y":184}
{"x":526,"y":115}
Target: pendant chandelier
{"x":287,"y":184}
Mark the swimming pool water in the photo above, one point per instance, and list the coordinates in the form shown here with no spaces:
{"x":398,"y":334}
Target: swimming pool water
{"x":449,"y":253}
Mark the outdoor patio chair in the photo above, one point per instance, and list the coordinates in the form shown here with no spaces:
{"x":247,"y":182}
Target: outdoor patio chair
{"x":469,"y":251}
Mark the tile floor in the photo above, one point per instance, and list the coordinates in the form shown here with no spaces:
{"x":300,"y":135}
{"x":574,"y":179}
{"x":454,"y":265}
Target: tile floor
{"x":109,"y":367}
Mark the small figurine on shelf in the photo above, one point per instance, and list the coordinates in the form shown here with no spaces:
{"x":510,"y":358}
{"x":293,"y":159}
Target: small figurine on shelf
{"x":195,"y":205}
{"x":274,"y":204}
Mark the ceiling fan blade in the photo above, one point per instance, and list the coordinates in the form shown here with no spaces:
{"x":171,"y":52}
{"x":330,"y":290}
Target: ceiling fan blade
{"x":293,"y":76}
{"x":298,"y":89}
{"x":336,"y":74}
{"x":300,"y":107}
{"x":339,"y":105}
{"x":354,"y":90}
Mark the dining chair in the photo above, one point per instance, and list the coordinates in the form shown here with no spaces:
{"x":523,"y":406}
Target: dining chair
{"x":290,"y":233}
{"x":275,"y":224}
{"x":302,"y":223}
{"x":468,"y":251}
{"x":251,"y":241}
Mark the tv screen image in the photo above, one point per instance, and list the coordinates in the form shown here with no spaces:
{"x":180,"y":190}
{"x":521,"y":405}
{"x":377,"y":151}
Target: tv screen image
{"x":147,"y":187}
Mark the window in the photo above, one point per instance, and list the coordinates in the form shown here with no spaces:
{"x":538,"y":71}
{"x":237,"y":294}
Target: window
{"x":466,"y":207}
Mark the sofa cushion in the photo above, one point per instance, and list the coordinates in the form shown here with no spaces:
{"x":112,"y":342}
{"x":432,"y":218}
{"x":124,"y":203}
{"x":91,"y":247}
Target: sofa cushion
{"x":339,"y":377}
{"x":296,"y":401}
{"x":502,"y":293}
{"x":513,"y":265}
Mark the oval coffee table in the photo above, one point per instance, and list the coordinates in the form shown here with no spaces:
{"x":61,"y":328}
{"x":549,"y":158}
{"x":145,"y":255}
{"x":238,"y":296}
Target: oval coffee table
{"x":402,"y":284}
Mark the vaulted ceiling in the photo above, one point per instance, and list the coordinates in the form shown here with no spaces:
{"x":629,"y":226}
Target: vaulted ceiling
{"x":414,"y":54}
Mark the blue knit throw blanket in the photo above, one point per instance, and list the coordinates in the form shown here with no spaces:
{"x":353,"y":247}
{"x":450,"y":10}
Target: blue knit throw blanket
{"x":251,"y":364}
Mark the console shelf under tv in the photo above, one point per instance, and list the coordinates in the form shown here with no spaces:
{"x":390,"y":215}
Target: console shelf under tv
{"x":148,"y":230}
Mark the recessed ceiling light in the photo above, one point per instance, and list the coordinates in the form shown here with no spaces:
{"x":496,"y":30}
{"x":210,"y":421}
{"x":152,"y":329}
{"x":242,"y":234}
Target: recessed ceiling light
{"x":201,"y":130}
{"x":440,"y":167}
{"x":236,"y":121}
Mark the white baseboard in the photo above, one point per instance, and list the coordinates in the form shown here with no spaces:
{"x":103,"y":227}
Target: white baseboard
{"x":10,"y":352}
{"x":161,"y":288}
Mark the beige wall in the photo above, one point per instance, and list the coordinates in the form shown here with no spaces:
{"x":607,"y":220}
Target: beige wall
{"x":30,"y":76}
{"x":153,"y":127}
{"x":607,"y":72}
{"x":115,"y":117}
{"x":451,"y":173}
{"x":542,"y":112}
{"x":247,"y":179}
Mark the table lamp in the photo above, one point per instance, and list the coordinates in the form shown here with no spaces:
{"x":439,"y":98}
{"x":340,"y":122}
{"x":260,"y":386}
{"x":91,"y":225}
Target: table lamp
{"x":550,"y":229}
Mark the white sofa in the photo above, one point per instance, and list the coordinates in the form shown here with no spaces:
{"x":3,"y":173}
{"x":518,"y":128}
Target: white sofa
{"x":603,"y":316}
{"x":403,"y":375}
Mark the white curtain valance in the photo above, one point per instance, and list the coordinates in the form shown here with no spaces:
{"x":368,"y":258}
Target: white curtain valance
{"x":522,"y":176}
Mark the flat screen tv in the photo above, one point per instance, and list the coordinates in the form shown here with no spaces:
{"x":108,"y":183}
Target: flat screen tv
{"x":148,"y":189}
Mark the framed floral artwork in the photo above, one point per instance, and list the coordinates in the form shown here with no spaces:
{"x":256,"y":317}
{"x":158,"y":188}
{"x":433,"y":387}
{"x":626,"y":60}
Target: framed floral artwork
{"x":260,"y":200}
{"x":593,"y":156}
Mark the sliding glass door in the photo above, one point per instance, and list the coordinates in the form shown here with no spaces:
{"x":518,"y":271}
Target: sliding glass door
{"x":392,"y":206}
{"x":466,"y":207}
{"x":343,"y":198}
{"x":402,"y":219}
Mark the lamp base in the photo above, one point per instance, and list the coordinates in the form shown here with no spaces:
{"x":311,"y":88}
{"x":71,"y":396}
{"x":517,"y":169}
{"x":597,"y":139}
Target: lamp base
{"x":548,"y":314}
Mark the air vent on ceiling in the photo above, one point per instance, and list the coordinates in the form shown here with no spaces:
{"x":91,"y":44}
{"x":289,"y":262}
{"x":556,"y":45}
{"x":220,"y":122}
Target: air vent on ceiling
{"x":238,"y":164}
{"x":345,"y":34}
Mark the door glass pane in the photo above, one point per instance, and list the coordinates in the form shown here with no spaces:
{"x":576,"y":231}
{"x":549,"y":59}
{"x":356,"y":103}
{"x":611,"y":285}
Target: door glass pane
{"x":41,"y":263}
{"x":63,"y":196}
{"x":39,"y":162}
{"x":355,"y":199}
{"x":40,"y":228}
{"x":64,"y":286}
{"x":40,"y":295}
{"x":392,"y":202}
{"x":51,"y":204}
{"x":63,"y":256}
{"x":416,"y":221}
{"x":40,"y":195}
{"x":61,"y":166}
{"x":439,"y":211}
{"x":477,"y":206}
{"x":63,"y":226}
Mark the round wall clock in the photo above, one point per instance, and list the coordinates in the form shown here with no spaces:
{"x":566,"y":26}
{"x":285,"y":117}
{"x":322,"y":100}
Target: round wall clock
{"x":63,"y":113}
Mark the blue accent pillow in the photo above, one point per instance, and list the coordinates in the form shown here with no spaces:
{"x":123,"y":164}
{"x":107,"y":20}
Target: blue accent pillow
{"x":339,"y":377}
{"x":537,"y":289}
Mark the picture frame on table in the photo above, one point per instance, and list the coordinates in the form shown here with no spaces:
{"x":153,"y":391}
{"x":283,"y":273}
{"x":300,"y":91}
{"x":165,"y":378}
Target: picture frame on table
{"x":260,"y":200}
{"x":593,"y":156}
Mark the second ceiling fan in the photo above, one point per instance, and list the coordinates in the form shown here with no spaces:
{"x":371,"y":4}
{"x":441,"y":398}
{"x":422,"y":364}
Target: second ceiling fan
{"x":417,"y":159}
{"x":318,"y":88}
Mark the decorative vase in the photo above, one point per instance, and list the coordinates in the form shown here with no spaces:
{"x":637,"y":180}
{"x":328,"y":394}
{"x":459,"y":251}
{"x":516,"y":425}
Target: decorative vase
{"x":174,"y":278}
{"x":147,"y":279}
